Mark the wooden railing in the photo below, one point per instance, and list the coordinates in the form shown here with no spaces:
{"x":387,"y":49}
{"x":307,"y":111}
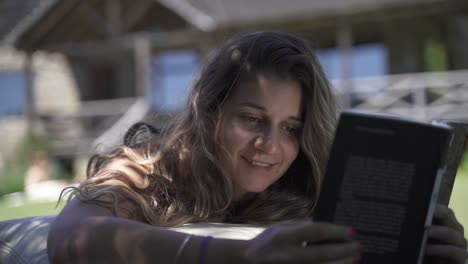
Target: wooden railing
{"x":421,"y":96}
{"x":89,"y":129}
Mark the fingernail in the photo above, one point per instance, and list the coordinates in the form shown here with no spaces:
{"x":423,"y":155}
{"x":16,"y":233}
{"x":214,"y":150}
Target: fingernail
{"x":360,"y":247}
{"x":356,"y":259}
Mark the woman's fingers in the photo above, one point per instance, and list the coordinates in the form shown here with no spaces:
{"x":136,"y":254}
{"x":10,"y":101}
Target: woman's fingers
{"x":449,"y":252}
{"x":446,"y":216}
{"x":304,"y":242}
{"x":323,"y":254}
{"x":314,"y":232}
{"x":351,"y":260}
{"x":448,"y":235}
{"x":328,"y":252}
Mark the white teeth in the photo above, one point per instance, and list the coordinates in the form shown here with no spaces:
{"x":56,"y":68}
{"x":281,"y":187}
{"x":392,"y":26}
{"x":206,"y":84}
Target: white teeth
{"x":260,"y":164}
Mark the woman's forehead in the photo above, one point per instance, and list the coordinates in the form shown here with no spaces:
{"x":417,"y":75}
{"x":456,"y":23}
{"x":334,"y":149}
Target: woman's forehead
{"x":268,"y":91}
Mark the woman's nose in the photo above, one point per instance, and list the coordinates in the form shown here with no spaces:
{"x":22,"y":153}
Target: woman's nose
{"x":268,"y":141}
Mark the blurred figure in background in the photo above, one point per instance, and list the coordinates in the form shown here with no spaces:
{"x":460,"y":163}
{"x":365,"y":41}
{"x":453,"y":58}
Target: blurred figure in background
{"x":38,"y":171}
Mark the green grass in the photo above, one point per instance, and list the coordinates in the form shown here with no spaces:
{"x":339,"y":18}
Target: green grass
{"x":459,"y":200}
{"x":27,"y":209}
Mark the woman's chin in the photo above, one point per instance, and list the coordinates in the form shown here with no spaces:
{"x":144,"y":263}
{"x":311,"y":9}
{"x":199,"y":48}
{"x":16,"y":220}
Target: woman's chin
{"x":254,"y":188}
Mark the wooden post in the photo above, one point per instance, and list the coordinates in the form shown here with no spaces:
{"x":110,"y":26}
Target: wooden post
{"x":29,"y":100}
{"x":405,"y":45}
{"x":345,"y":44}
{"x":419,"y":103}
{"x":457,"y":38}
{"x":113,"y":18}
{"x":142,"y":58}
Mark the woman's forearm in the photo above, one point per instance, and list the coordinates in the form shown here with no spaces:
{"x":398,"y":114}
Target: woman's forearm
{"x":86,"y":232}
{"x":107,"y":239}
{"x":225,"y":251}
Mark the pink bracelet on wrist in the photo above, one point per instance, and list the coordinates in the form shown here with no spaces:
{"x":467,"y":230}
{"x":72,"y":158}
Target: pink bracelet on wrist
{"x":203,"y":247}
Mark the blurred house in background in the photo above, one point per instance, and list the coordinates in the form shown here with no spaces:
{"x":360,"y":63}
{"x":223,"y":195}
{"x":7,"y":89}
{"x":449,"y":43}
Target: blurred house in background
{"x":89,"y":69}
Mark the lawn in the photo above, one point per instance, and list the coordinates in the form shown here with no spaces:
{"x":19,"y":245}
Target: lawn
{"x":459,"y":200}
{"x":9,"y":211}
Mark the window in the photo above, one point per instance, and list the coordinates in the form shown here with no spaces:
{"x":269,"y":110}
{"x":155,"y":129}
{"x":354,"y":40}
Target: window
{"x":172,"y":76}
{"x":369,"y":60}
{"x":366,"y":60}
{"x":12,"y":93}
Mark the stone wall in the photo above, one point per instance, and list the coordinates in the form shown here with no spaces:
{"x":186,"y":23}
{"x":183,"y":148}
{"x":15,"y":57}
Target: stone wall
{"x":54,"y":86}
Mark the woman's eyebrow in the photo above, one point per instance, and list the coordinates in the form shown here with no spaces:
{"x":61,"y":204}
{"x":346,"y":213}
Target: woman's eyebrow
{"x":295,"y":118}
{"x":252,"y":105}
{"x":261,"y":108}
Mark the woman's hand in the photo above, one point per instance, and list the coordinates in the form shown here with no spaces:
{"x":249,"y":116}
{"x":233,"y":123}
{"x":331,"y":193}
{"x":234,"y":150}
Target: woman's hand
{"x":453,"y":245}
{"x":304,"y":242}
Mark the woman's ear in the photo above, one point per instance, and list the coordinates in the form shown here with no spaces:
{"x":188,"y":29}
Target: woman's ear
{"x":139,"y":133}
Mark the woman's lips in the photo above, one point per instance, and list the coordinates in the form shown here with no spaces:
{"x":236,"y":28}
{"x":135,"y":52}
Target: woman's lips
{"x":259,"y":164}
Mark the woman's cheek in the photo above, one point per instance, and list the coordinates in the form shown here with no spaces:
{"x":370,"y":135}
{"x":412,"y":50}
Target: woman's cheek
{"x":236,"y":135}
{"x":291,"y":147}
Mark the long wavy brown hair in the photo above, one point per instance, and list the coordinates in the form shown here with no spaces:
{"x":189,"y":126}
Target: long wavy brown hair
{"x":187,"y":181}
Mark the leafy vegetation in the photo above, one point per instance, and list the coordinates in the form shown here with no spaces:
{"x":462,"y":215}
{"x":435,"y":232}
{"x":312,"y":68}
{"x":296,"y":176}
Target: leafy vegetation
{"x":13,"y":172}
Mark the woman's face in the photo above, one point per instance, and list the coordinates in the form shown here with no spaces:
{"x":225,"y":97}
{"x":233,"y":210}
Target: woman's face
{"x":261,"y":128}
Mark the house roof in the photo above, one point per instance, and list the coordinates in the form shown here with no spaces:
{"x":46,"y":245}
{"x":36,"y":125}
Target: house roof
{"x":71,"y":21}
{"x":14,"y":14}
{"x":64,"y":21}
{"x":313,"y":19}
{"x":225,"y":13}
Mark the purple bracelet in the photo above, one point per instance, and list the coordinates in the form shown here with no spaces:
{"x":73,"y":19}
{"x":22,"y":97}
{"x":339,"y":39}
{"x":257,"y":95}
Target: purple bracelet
{"x":203,"y":246}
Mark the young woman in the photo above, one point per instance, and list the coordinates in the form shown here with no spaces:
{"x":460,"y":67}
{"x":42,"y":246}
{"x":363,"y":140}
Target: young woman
{"x":250,"y":147}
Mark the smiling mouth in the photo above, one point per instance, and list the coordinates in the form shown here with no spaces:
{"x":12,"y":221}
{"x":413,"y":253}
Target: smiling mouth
{"x":258,"y":163}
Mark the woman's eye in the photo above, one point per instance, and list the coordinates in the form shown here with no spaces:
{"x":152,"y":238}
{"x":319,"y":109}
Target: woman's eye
{"x":291,"y":130}
{"x":250,"y":119}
